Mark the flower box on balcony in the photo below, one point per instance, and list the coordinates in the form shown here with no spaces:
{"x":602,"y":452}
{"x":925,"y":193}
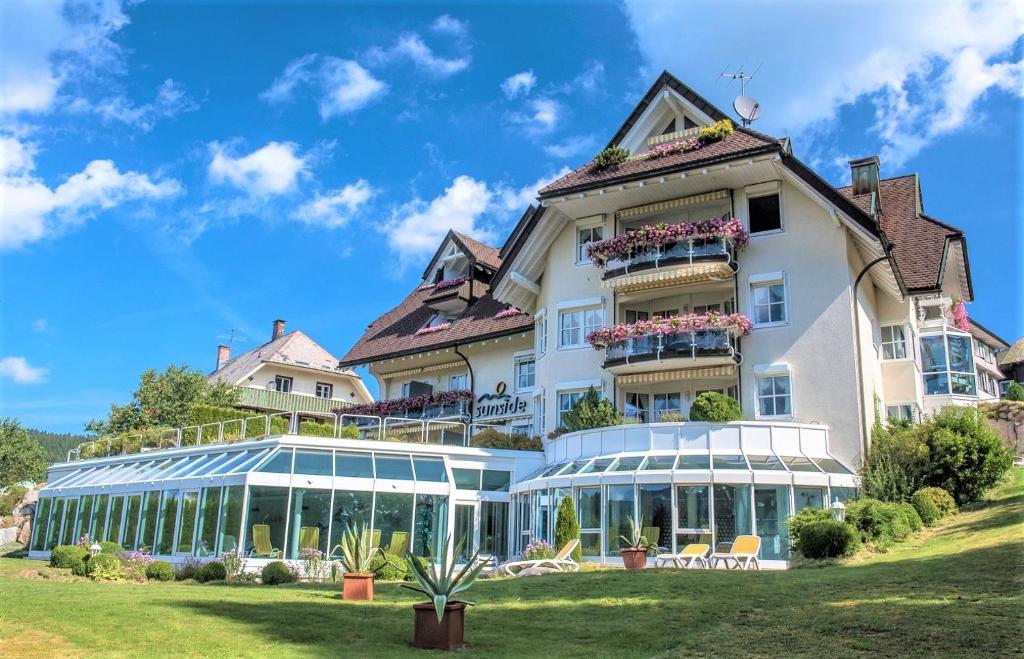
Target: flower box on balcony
{"x":638,"y":242}
{"x":734,"y":324}
{"x":456,"y":399}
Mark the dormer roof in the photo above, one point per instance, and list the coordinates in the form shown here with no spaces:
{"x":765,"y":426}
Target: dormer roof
{"x":485,"y":256}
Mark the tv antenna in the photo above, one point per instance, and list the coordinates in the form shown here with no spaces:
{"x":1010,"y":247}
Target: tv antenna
{"x":230,"y":337}
{"x":745,"y":106}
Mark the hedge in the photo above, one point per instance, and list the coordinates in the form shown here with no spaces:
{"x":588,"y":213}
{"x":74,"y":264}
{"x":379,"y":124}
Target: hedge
{"x":828,"y":538}
{"x":212,"y":571}
{"x":494,"y":438}
{"x":883,"y":523}
{"x":276,"y":573}
{"x":69,"y":556}
{"x":797,"y":522}
{"x":715,"y":407}
{"x":160,"y":571}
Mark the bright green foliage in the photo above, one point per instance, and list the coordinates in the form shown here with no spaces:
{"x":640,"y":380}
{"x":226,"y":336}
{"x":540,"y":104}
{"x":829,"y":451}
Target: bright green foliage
{"x":911,"y":517}
{"x":941,"y":498}
{"x":672,"y":417}
{"x":967,"y":455}
{"x":828,"y":538}
{"x":105,"y":567}
{"x":798,"y":521}
{"x":716,"y":131}
{"x":591,"y":411}
{"x":81,"y":569}
{"x":389,"y":567}
{"x":441,"y":583}
{"x":567,"y":527}
{"x":11,"y":498}
{"x":881,"y":522}
{"x":611,"y":157}
{"x":160,"y":571}
{"x":69,"y":556}
{"x":212,"y":571}
{"x":256,"y":425}
{"x":357,"y":550}
{"x":277,"y":572}
{"x":926,"y":508}
{"x":164,"y":400}
{"x":107,"y":547}
{"x":636,"y":538}
{"x":1014,"y":392}
{"x":494,"y":438}
{"x":715,"y":407}
{"x":349,"y":431}
{"x":21,"y":459}
{"x":315,"y":429}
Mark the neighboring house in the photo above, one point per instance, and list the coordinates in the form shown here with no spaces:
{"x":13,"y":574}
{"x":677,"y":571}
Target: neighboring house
{"x":290,"y":373}
{"x":1011,"y":363}
{"x":987,"y":349}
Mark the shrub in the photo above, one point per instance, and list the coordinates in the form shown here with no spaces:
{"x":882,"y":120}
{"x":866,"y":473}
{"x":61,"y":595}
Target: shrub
{"x":135,"y":564}
{"x":672,"y":417}
{"x":81,"y":569}
{"x":349,"y":431}
{"x":715,"y":407}
{"x":798,"y":521}
{"x":611,"y":157}
{"x":938,"y":496}
{"x":391,"y":567}
{"x":69,"y":556}
{"x":105,"y":567}
{"x":494,"y":438}
{"x":315,"y":429}
{"x":1014,"y":392}
{"x":187,"y":570}
{"x":10,"y":499}
{"x":201,"y":413}
{"x":716,"y":131}
{"x":591,"y":411}
{"x":896,"y":464}
{"x":910,"y":516}
{"x":107,"y":547}
{"x":882,"y":522}
{"x":160,"y":571}
{"x":277,"y":572}
{"x":828,"y":538}
{"x":926,"y":508}
{"x":567,"y":527}
{"x":212,"y":571}
{"x":967,"y":456}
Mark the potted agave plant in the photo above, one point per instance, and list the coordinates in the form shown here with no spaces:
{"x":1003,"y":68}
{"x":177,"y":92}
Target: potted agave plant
{"x":357,"y":553}
{"x":635,"y":547}
{"x":440,"y":623}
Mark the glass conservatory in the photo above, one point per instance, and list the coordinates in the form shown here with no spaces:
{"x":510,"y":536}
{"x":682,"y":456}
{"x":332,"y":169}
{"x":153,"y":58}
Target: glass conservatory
{"x":683,"y":483}
{"x":275,"y":497}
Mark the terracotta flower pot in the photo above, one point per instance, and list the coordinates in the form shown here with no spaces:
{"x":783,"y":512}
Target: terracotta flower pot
{"x":444,"y":635}
{"x":634,"y":559}
{"x":357,"y":587}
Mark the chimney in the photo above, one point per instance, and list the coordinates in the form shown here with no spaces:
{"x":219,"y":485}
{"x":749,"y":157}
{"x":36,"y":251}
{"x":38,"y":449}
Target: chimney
{"x":864,"y":175}
{"x":278,"y":329}
{"x":223,"y":355}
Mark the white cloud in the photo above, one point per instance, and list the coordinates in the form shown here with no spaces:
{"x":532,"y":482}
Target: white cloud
{"x":923,"y":68}
{"x":447,"y":24}
{"x":47,"y":43}
{"x":591,"y":81}
{"x":335,"y":208}
{"x":40,"y":325}
{"x":171,"y":100}
{"x":541,"y":117}
{"x":344,"y":86}
{"x":519,"y":199}
{"x":570,"y":147}
{"x":410,"y":46}
{"x":19,"y":370}
{"x":30,"y":210}
{"x":417,"y":227}
{"x":272,"y":169}
{"x":519,"y":84}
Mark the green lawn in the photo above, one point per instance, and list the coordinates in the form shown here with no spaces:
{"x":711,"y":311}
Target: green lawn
{"x":955,"y":591}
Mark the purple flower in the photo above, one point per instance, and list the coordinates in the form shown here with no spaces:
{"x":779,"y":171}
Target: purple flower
{"x":448,"y":283}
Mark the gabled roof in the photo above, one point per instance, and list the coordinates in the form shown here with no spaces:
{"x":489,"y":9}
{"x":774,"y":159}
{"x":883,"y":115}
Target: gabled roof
{"x":987,"y":336}
{"x":292,"y":349}
{"x":484,"y":255}
{"x":1015,"y":355}
{"x":920,"y":243}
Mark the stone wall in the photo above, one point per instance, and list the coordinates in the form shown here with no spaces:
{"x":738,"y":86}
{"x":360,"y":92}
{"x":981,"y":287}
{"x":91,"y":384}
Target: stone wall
{"x":1007,"y":417}
{"x":17,"y":527}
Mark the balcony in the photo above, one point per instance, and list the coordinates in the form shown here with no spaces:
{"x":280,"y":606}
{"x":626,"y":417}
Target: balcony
{"x":712,"y":347}
{"x":451,"y":295}
{"x":279,"y":401}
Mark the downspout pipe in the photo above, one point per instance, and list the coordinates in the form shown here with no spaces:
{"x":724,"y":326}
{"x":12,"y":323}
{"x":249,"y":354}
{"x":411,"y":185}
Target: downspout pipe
{"x":862,"y":407}
{"x":472,"y":380}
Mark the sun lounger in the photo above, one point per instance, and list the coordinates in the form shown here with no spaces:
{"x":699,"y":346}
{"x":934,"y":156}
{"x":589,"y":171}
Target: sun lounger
{"x":742,"y":555}
{"x":690,"y":556}
{"x":562,"y":562}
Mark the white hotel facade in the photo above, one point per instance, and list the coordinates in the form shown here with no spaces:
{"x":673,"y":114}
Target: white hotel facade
{"x":853,"y":297}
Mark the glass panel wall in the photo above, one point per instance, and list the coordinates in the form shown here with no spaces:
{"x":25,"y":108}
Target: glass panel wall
{"x":165,"y":526}
{"x":131,"y":521}
{"x":465,"y":521}
{"x":494,"y":529}
{"x":693,"y":520}
{"x":809,"y":497}
{"x":431,"y":525}
{"x":113,"y":533}
{"x":150,"y":513}
{"x":314,"y":463}
{"x":209,"y":509}
{"x":771,"y":509}
{"x":230,"y":519}
{"x":353,"y":465}
{"x":656,"y":512}
{"x":99,"y":517}
{"x":466,"y":479}
{"x":392,"y":516}
{"x":67,"y":530}
{"x":266,"y":518}
{"x":311,"y":515}
{"x":350,"y":508}
{"x":590,"y":520}
{"x":39,"y":524}
{"x":84,"y":515}
{"x":187,"y":526}
{"x":53,"y":524}
{"x":542,"y":520}
{"x":732,"y":513}
{"x":617,"y":510}
{"x":494,"y":480}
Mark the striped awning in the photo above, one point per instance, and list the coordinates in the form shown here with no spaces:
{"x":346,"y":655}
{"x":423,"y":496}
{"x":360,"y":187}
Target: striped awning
{"x":422,"y":369}
{"x":681,"y":374}
{"x":669,"y":276}
{"x":669,"y":204}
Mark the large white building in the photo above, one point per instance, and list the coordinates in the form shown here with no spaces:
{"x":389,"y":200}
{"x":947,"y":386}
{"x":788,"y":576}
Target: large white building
{"x":710,"y":259}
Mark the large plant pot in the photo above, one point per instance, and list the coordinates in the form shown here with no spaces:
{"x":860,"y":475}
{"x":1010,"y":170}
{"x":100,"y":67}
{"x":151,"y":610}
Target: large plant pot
{"x":634,"y":559}
{"x":434,"y":635}
{"x":357,"y":587}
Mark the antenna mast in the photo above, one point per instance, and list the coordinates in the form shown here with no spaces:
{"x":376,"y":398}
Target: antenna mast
{"x":746,"y":107}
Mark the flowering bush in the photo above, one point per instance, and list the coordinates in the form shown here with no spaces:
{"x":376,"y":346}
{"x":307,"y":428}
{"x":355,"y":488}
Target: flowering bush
{"x":314,"y":564}
{"x":538,"y":549}
{"x":959,"y":313}
{"x":508,"y":313}
{"x":430,"y":329}
{"x":84,"y":541}
{"x":611,"y":157}
{"x":644,"y":239}
{"x":449,"y":283}
{"x":411,"y":404}
{"x":707,"y":134}
{"x":735,"y":323}
{"x":234,"y":563}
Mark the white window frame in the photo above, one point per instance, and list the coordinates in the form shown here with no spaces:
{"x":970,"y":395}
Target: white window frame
{"x":455,"y":378}
{"x":914,"y":416}
{"x":584,"y":329}
{"x":948,"y":368}
{"x":773,"y":371}
{"x":518,"y":360}
{"x":559,"y":412}
{"x":540,"y":334}
{"x":278,"y":379}
{"x":583,"y":225}
{"x":765,"y":281}
{"x":907,"y":354}
{"x":539,"y":409}
{"x":765,"y":190}
{"x":329,"y":389}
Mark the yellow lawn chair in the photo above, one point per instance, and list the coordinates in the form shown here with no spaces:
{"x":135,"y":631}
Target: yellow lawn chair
{"x":691,"y":555}
{"x":399,"y":543}
{"x":309,"y":537}
{"x":262,"y":546}
{"x":743,"y":553}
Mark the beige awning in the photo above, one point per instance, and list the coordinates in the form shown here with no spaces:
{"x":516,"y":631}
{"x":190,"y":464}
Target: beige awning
{"x":672,"y":275}
{"x":681,"y":374}
{"x":672,"y":203}
{"x":422,"y":369}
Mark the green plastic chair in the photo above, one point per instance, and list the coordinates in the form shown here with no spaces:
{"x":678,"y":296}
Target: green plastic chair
{"x":399,"y":543}
{"x":262,"y":546}
{"x":309,"y":537}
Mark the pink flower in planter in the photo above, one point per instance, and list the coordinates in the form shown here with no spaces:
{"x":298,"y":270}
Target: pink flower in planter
{"x":433,"y":328}
{"x":647,"y":238}
{"x":735,"y":324}
{"x":449,"y":283}
{"x":960,"y":318}
{"x":508,"y":313}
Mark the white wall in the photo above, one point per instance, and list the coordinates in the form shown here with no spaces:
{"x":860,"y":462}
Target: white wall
{"x":346,"y":387}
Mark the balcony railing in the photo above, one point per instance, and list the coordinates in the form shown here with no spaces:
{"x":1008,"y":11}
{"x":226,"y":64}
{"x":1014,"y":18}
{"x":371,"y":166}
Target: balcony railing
{"x":457,"y":410}
{"x":682,"y":252}
{"x":279,"y":401}
{"x":694,"y":344}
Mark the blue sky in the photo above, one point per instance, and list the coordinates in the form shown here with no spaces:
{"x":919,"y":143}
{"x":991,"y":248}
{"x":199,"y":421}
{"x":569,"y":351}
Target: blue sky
{"x":170,"y":172}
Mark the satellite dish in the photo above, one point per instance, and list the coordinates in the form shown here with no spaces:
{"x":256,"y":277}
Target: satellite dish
{"x":747,"y":108}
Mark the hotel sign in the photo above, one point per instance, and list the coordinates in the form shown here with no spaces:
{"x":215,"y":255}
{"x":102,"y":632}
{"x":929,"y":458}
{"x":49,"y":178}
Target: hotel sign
{"x":499,"y":404}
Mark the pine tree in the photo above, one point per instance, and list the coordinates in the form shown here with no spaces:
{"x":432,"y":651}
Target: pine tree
{"x":567,"y":527}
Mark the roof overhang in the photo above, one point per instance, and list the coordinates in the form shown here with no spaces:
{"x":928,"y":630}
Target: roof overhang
{"x":423,"y":350}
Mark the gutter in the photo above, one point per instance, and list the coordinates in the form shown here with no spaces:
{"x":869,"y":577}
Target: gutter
{"x":858,"y":360}
{"x":472,"y":380}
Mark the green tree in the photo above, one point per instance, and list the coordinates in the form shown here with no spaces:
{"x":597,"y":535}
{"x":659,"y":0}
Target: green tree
{"x":165,"y":400}
{"x":967,"y":456}
{"x":715,"y":407}
{"x":591,"y":411}
{"x":21,"y":459}
{"x":567,"y":527}
{"x":1015,"y":391}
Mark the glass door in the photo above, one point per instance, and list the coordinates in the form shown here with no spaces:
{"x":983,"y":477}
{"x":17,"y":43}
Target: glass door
{"x":187,"y":524}
{"x":637,"y":406}
{"x":771,"y":508}
{"x":465,"y":530}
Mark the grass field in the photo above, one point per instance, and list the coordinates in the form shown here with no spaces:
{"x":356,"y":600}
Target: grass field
{"x":957,"y":590}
